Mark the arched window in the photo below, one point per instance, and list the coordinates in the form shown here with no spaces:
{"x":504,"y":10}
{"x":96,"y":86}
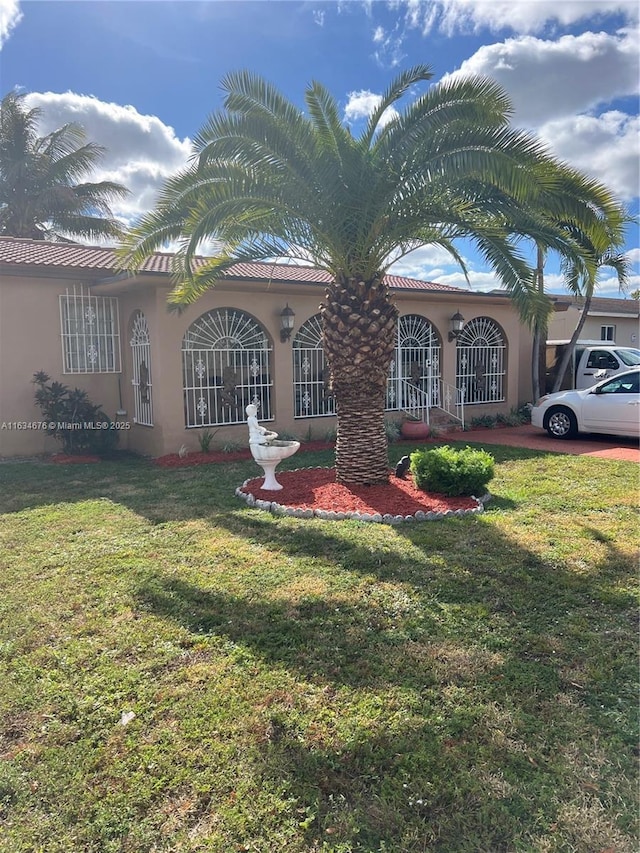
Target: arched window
{"x":480,"y":361}
{"x":415,"y":369}
{"x":141,"y":382}
{"x":225,"y":366}
{"x":310,"y":375}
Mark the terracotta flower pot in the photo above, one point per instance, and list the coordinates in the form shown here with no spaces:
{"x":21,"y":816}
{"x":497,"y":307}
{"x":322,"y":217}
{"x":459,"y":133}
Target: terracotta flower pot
{"x":414,"y":429}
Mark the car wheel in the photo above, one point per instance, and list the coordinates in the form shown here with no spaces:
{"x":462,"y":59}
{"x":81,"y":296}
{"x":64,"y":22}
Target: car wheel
{"x":561,"y":423}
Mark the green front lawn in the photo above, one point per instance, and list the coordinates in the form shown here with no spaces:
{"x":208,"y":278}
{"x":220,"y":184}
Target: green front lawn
{"x":179,"y":672}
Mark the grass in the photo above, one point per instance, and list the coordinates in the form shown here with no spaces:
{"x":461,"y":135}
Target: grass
{"x":182,"y":673}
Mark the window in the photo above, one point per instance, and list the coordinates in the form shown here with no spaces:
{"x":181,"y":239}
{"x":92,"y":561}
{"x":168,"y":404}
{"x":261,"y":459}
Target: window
{"x":629,"y":384}
{"x":600,"y":359}
{"x":413,"y":372}
{"x":90,"y":331}
{"x":607,"y":333}
{"x":141,"y":358}
{"x":312,"y":396}
{"x":225,"y":366}
{"x":415,"y":369}
{"x":480,"y":362}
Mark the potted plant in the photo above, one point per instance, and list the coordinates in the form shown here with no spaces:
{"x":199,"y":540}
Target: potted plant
{"x":414,"y":427}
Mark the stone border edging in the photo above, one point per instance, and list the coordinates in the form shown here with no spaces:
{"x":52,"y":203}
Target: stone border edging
{"x":330,"y":515}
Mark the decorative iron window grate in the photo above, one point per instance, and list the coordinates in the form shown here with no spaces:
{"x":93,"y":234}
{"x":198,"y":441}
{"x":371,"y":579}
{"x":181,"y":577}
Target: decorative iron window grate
{"x":90,"y":332}
{"x":480,"y":362}
{"x":415,"y":365}
{"x":416,"y":361}
{"x":312,"y":396}
{"x":226,"y":358}
{"x":141,"y":382}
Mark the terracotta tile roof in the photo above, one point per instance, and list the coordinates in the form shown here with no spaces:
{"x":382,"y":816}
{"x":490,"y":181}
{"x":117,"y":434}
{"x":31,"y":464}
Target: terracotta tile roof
{"x":40,"y":254}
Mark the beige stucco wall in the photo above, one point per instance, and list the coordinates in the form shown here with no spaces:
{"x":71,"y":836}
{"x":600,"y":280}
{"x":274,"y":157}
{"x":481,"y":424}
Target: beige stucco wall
{"x":563,"y":323}
{"x":264,"y":301}
{"x":30,"y":341}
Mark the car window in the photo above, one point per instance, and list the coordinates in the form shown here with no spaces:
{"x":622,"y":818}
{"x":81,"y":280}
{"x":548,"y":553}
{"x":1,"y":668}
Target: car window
{"x":622,"y":385}
{"x":600,"y":359}
{"x":630,"y":357}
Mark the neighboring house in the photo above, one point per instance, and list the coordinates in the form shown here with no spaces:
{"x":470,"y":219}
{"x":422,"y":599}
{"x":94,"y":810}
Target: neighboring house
{"x":609,"y":319}
{"x":167,"y":376}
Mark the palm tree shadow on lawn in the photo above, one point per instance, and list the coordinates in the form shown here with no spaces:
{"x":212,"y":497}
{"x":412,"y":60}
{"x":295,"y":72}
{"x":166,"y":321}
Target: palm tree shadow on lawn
{"x":471,"y":670}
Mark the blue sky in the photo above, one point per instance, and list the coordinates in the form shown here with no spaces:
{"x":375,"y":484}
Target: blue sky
{"x":143,"y":76}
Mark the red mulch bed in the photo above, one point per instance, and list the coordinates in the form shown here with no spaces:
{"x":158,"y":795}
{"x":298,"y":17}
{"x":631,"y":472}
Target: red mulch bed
{"x":316,"y":488}
{"x":173,"y":460}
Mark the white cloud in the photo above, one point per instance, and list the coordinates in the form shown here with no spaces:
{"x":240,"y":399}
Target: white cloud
{"x":361,"y":104}
{"x":433,"y":263}
{"x":547,"y":79}
{"x":605,"y":147}
{"x":558,"y":87}
{"x":389,"y":51}
{"x":633,"y":256}
{"x":10,"y":17}
{"x":608,"y":286}
{"x":141,"y":152}
{"x":522,"y":16}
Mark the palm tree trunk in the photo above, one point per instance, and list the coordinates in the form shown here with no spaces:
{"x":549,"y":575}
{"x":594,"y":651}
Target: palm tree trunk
{"x":539,"y":336}
{"x":359,"y":336}
{"x":569,"y":349}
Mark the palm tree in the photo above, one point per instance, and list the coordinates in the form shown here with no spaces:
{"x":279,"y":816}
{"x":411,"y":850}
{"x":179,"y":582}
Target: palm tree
{"x":268,"y":180}
{"x":584,"y":285}
{"x":40,"y":196}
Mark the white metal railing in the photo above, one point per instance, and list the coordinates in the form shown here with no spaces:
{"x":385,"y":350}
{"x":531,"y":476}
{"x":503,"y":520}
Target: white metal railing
{"x":451,"y":400}
{"x":413,"y":400}
{"x":418,"y":404}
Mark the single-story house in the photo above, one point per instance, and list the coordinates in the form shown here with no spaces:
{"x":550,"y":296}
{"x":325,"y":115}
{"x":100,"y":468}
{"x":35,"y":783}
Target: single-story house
{"x":166,"y":377}
{"x":608,"y":320}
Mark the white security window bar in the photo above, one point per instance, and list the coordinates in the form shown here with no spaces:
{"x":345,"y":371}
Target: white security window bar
{"x":312,"y":396}
{"x":90,"y":332}
{"x":480,"y":362}
{"x":141,"y":359}
{"x":226,"y":357}
{"x":415,"y":368}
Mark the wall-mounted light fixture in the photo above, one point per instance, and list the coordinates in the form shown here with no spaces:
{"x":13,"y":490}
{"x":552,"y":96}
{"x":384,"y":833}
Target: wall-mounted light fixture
{"x":457,"y":325}
{"x":287,"y":318}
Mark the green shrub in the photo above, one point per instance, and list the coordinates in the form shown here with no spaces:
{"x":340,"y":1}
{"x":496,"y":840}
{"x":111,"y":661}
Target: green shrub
{"x":484,"y":421}
{"x":452,"y":472}
{"x":204,"y":440}
{"x":515,"y":417}
{"x":392,"y":430}
{"x":73,"y":419}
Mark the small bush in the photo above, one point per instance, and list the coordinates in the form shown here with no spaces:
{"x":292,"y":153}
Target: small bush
{"x":73,"y":419}
{"x":484,"y":421}
{"x":452,"y":472}
{"x":233,"y":446}
{"x":515,"y":416}
{"x":392,"y":430}
{"x":204,"y":440}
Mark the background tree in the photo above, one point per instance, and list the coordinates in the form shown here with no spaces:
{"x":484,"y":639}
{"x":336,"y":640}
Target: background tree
{"x":40,"y":196}
{"x":584,"y":284}
{"x":268,"y":180}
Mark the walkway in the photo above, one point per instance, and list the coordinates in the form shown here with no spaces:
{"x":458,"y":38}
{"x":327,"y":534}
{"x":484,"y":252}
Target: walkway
{"x":603,"y":446}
